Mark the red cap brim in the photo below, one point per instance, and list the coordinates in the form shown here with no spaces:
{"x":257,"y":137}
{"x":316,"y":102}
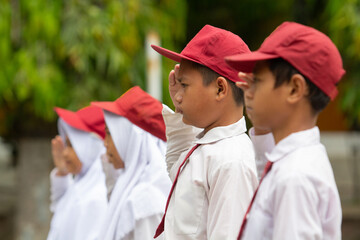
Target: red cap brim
{"x":71,"y":118}
{"x":173,"y":55}
{"x":139,"y":108}
{"x":109,"y":106}
{"x":245,"y":62}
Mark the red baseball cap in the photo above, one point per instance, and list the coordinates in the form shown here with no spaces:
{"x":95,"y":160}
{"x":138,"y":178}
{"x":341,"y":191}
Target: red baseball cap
{"x":88,"y":119}
{"x":209,"y":47}
{"x":139,"y":108}
{"x":308,"y":50}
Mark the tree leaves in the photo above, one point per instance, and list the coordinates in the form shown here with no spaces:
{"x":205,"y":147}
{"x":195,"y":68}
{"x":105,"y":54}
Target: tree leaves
{"x":344,"y":29}
{"x":68,"y":53}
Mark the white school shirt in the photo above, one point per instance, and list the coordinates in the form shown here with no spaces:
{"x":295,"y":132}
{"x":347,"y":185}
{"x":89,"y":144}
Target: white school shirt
{"x":215,"y":186}
{"x":298,"y":198}
{"x":262,"y":144}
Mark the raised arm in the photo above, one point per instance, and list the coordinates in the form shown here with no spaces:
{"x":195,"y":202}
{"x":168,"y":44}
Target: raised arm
{"x":179,"y":135}
{"x":59,"y":178}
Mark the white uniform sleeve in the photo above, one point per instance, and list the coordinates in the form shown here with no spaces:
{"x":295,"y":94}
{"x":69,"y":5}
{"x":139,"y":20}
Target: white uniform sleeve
{"x":179,"y":135}
{"x":59,"y":185}
{"x":262,"y":144}
{"x":231,"y":189}
{"x":145,"y":228}
{"x":295,"y":204}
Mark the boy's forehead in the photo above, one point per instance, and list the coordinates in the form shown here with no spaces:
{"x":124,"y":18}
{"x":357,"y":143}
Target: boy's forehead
{"x":260,"y":66}
{"x":185,"y":66}
{"x":185,"y":63}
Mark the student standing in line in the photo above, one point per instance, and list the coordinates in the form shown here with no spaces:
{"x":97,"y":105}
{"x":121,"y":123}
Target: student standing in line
{"x":213,"y":171}
{"x":135,"y":143}
{"x":78,"y":192}
{"x":295,"y":74}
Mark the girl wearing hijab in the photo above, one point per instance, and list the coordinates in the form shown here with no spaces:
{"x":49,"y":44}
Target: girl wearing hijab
{"x":78,"y":191}
{"x":135,"y":142}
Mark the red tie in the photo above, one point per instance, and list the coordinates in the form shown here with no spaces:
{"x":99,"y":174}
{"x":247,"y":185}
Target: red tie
{"x":160,"y":228}
{"x":266,"y":170}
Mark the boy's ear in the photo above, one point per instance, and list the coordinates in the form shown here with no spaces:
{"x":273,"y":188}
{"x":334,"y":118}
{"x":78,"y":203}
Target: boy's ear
{"x":222,"y":88}
{"x":297,"y":88}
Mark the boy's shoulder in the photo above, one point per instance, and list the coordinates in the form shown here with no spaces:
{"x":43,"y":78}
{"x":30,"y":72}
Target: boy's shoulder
{"x":220,"y":133}
{"x":233,"y":150}
{"x":307,"y":157}
{"x":310,"y":162}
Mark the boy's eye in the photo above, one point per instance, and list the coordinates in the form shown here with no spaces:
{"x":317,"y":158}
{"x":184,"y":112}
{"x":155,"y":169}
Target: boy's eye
{"x":183,"y":84}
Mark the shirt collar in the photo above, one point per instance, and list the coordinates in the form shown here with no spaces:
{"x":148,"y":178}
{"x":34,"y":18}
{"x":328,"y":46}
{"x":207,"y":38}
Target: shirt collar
{"x":219,"y":133}
{"x":293,"y":142}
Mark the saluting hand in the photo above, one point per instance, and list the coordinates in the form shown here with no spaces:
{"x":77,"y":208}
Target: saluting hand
{"x":57,"y":150}
{"x":248,"y":79}
{"x":174,"y":85}
{"x":248,"y":83}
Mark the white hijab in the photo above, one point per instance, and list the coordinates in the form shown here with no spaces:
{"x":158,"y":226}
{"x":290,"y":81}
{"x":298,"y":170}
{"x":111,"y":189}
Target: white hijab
{"x":87,"y":145}
{"x":79,"y":213}
{"x":143,"y":186}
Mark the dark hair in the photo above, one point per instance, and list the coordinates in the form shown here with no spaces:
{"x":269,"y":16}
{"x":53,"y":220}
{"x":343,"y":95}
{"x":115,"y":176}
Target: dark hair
{"x":283,"y":71}
{"x":210,"y":75}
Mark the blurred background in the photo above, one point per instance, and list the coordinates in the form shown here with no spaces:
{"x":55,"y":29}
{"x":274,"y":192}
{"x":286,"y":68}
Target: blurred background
{"x":68,"y":53}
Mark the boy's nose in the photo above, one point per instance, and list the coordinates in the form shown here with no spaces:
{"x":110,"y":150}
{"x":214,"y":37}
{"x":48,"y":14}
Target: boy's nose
{"x":248,"y":94}
{"x":178,"y":97}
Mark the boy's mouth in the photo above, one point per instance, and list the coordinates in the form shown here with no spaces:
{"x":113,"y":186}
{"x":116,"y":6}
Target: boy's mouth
{"x":248,"y":108}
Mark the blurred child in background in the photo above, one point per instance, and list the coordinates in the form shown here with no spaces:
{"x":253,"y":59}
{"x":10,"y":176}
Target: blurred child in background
{"x":78,"y":191}
{"x":135,"y":143}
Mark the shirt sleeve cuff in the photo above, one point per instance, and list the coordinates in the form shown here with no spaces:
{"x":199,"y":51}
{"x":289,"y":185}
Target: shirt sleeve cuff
{"x":59,"y":180}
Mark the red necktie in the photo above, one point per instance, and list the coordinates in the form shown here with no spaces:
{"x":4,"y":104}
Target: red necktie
{"x":160,"y":228}
{"x":266,"y":170}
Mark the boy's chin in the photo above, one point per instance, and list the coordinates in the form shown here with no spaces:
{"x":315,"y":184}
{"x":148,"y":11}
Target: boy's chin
{"x":188,"y":122}
{"x":185,"y":120}
{"x":260,"y":128}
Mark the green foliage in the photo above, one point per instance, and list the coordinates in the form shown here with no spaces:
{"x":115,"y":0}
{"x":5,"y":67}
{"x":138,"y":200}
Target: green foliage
{"x":68,"y":53}
{"x":344,"y":29}
{"x":252,"y":20}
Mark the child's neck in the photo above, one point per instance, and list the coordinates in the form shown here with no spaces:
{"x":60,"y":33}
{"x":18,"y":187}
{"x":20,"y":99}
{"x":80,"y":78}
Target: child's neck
{"x":226,"y":118}
{"x":293,"y":124}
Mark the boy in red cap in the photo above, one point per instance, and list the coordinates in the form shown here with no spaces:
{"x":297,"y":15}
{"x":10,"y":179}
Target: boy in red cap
{"x":209,"y":155}
{"x":295,"y":73}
